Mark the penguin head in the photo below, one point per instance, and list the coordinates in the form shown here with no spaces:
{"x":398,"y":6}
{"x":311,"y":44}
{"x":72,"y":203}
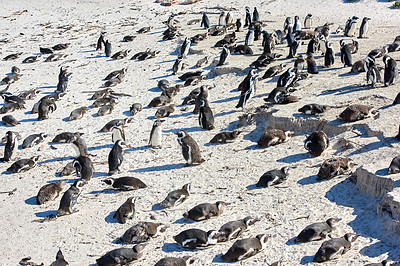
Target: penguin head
{"x":188,"y":260}
{"x":79,"y":184}
{"x":212,"y":236}
{"x":35,"y":158}
{"x":350,"y":237}
{"x":109,"y":181}
{"x":120,"y":142}
{"x":333,"y":221}
{"x":161,"y":228}
{"x":250,"y":220}
{"x":263,"y":238}
{"x":61,"y":184}
{"x":285,"y":170}
{"x":386,"y":59}
{"x":342,"y":43}
{"x":181,"y":134}
{"x":221,"y":205}
{"x":139,"y":248}
{"x":187,"y":188}
{"x":131,"y":200}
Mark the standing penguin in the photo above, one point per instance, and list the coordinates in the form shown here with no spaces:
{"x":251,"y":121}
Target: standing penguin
{"x":297,"y":24}
{"x":126,"y":210}
{"x":245,"y":248}
{"x":190,"y":149}
{"x":248,"y":17}
{"x":60,"y":260}
{"x":373,"y":73}
{"x":117,"y":132}
{"x":350,"y":28}
{"x":205,"y":21}
{"x":222,"y":19}
{"x":156,"y":134}
{"x":345,"y":54}
{"x":329,"y":55}
{"x":100,"y":41}
{"x":107,"y":46}
{"x":308,"y":21}
{"x":248,"y":90}
{"x":11,"y":146}
{"x":176,"y":197}
{"x":224,"y":55}
{"x":46,"y":106}
{"x":63,"y":82}
{"x":293,"y":48}
{"x":311,"y":65}
{"x":364,"y":28}
{"x":115,"y":157}
{"x":179,"y":65}
{"x":184,"y":49}
{"x":239,"y":25}
{"x":229,"y":18}
{"x":79,"y":145}
{"x":391,"y":70}
{"x":84,"y":167}
{"x":334,"y":248}
{"x":203,"y":95}
{"x":206,"y":117}
{"x":256,"y":15}
{"x":249,"y":40}
{"x":70,"y":198}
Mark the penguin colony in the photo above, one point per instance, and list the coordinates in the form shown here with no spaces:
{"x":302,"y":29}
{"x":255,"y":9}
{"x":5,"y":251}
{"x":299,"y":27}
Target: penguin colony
{"x":88,"y":165}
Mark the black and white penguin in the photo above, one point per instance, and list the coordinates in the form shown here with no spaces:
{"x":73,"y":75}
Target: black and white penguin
{"x":176,"y":197}
{"x":115,"y":157}
{"x":378,"y":52}
{"x":69,"y":199}
{"x":317,"y":231}
{"x":223,"y":137}
{"x":79,"y":145}
{"x":155,"y":139}
{"x":190,"y":149}
{"x":229,"y":18}
{"x":394,"y":167}
{"x":373,"y":73}
{"x":114,"y":122}
{"x":46,"y":106}
{"x":345,"y":54}
{"x":297,"y":24}
{"x":136,"y":108}
{"x":234,"y":229}
{"x":100,"y":41}
{"x":248,"y":90}
{"x":63,"y":82}
{"x":184,"y":49}
{"x":287,"y":77}
{"x":23,"y":165}
{"x":364,"y":28}
{"x":313,"y":109}
{"x":65,"y":137}
{"x":121,"y":256}
{"x":357,"y":112}
{"x":273,"y":177}
{"x":316,"y":143}
{"x":350,"y":27}
{"x":269,"y":44}
{"x":245,"y":248}
{"x":113,"y":74}
{"x":33,"y":140}
{"x":125,"y":183}
{"x":391,"y":70}
{"x":287,"y":24}
{"x":273,"y":137}
{"x":206,"y":117}
{"x":248,"y":17}
{"x":179,"y":65}
{"x":256,"y":15}
{"x":84,"y":167}
{"x":11,"y":147}
{"x":224,"y":55}
{"x":126,"y":210}
{"x":257,"y":30}
{"x":249,"y":39}
{"x":334,"y":248}
{"x":311,"y":65}
{"x":293,"y":48}
{"x":49,"y":192}
{"x":239,"y":25}
{"x":107,"y":50}
{"x":106,"y":109}
{"x":205,"y":211}
{"x":172,"y":261}
{"x":194,"y":238}
{"x":329,"y":55}
{"x":222,"y":19}
{"x":68,"y":169}
{"x":117,"y":133}
{"x":60,"y":260}
{"x":142,"y":232}
{"x":386,"y":262}
{"x":273,"y":71}
{"x":205,"y":21}
{"x":308,"y":21}
{"x":334,"y":167}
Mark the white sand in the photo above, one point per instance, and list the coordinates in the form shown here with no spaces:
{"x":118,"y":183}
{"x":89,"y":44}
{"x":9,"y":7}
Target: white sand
{"x":229,"y":169}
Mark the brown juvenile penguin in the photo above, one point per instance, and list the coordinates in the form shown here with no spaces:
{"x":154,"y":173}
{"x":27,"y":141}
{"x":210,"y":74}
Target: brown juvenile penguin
{"x":334,"y":167}
{"x":9,"y":120}
{"x":205,"y":211}
{"x":274,"y":137}
{"x":165,"y":111}
{"x":142,"y":232}
{"x":49,"y":192}
{"x":126,"y":210}
{"x":223,"y":137}
{"x":78,"y":113}
{"x":357,"y":112}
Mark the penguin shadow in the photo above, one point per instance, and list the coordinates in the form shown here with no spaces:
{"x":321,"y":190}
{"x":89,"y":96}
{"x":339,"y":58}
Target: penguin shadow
{"x":309,"y":180}
{"x":159,"y":168}
{"x":6,"y":173}
{"x":342,"y":90}
{"x":376,"y":249}
{"x":126,"y":113}
{"x":65,"y":119}
{"x":141,"y":148}
{"x":291,"y":242}
{"x":93,"y":115}
{"x":6,"y":125}
{"x":155,"y":89}
{"x":45,"y":214}
{"x":294,"y":158}
{"x":28,"y":113}
{"x":66,"y":180}
{"x":195,"y":129}
{"x":306,"y":260}
{"x":253,"y":147}
{"x":382,"y":172}
{"x":47,"y":87}
{"x":28,"y":120}
{"x":323,"y":69}
{"x":95,"y":56}
{"x":110,"y":218}
{"x":183,"y":220}
{"x":105,"y":191}
{"x":385,"y":107}
{"x":227,"y":99}
{"x":157,"y":207}
{"x":218,"y":259}
{"x":225,"y":113}
{"x":174,"y":247}
{"x":31,"y":201}
{"x":253,"y":187}
{"x":186,"y":114}
{"x":347,"y":74}
{"x":56,"y":160}
{"x":109,"y":146}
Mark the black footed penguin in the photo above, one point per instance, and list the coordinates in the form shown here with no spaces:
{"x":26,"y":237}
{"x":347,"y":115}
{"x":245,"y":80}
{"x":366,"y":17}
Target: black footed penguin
{"x":313,"y":109}
{"x":287,"y":77}
{"x":394,"y":167}
{"x":136,"y":108}
{"x":65,"y":137}
{"x":308,"y":21}
{"x":350,"y":27}
{"x":184,"y":49}
{"x":364,"y":28}
{"x":273,"y":71}
{"x":234,"y":229}
{"x":224,"y":55}
{"x":300,"y":62}
{"x":23,"y":165}
{"x":172,"y":261}
{"x":107,"y":46}
{"x":311,"y":65}
{"x":84,"y":167}
{"x":11,"y":146}
{"x":345,"y":54}
{"x":176,"y":197}
{"x":126,"y":210}
{"x":206,"y":117}
{"x":125,"y":183}
{"x":293,"y":48}
{"x":69,"y":199}
{"x":273,"y":137}
{"x":190,"y":149}
{"x":248,"y":90}
{"x":334,"y":248}
{"x":115,"y":157}
{"x":297,"y":24}
{"x":33,"y":140}
{"x":46,"y":106}
{"x":334,"y":167}
{"x":60,"y":260}
{"x":317,"y":231}
{"x":79,"y":145}
{"x":256,"y":15}
{"x":142,"y":232}
{"x":223,"y":137}
{"x":205,"y":21}
{"x":239,"y":25}
{"x":117,"y":133}
{"x":205,"y":211}
{"x":329,"y":55}
{"x":68,"y":169}
{"x":273,"y":177}
{"x":121,"y":256}
{"x":100,"y":41}
{"x":155,"y":139}
{"x":115,"y":122}
{"x":249,"y":39}
{"x":373,"y":73}
{"x":245,"y":248}
{"x":194,"y":238}
{"x":391,"y":70}
{"x":49,"y":192}
{"x":316,"y":143}
{"x":63,"y":82}
{"x":248,"y":17}
{"x":357,"y":112}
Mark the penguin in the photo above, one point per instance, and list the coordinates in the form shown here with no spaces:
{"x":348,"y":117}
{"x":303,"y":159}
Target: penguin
{"x":364,"y":28}
{"x":13,"y":99}
{"x":9,"y":120}
{"x":126,"y":210}
{"x":84,"y":167}
{"x":33,"y":140}
{"x":12,"y":56}
{"x":30,"y":59}
{"x":135,"y":108}
{"x":317,"y":231}
{"x":350,"y":28}
{"x":120,"y":55}
{"x":184,"y":49}
{"x":79,"y":145}
{"x":273,"y":177}
{"x":245,"y":248}
{"x":273,"y":137}
{"x":100,"y":41}
{"x":287,"y":24}
{"x":239,"y":25}
{"x":313,"y":109}
{"x":68,"y":169}
{"x":206,"y":117}
{"x":249,"y":40}
{"x":190,"y":149}
{"x":46,"y":106}
{"x":229,"y":18}
{"x":297,"y":24}
{"x":112,"y":123}
{"x":269,"y":45}
{"x":222,"y":19}
{"x":329,"y":55}
{"x":248,"y":89}
{"x":114,"y":81}
{"x":391,"y":71}
{"x":345,"y":54}
{"x":394,"y":167}
{"x":114,"y":74}
{"x":69,"y":199}
{"x":163,"y":84}
{"x":256,"y":15}
{"x":176,"y":197}
{"x":187,"y":75}
{"x":142,"y":232}
{"x":287,"y":77}
{"x":334,"y":248}
{"x":49,"y":192}
{"x":201,"y":62}
{"x":224,"y":55}
{"x":386,"y":262}
{"x":155,"y":139}
{"x":106,"y":109}
{"x":373,"y":74}
{"x":179,"y":65}
{"x":358,"y":67}
{"x":11,"y":146}
{"x":234,"y":229}
{"x":205,"y":21}
{"x":160,"y":100}
{"x":78,"y":113}
{"x":125,"y":183}
{"x":194,"y":238}
{"x":299,"y":63}
{"x":23,"y":165}
{"x":223,"y":137}
{"x":334,"y":167}
{"x":65,"y":137}
{"x":311,"y":65}
{"x":398,"y":135}
{"x":205,"y":211}
{"x":115,"y":157}
{"x":248,"y":17}
{"x":10,"y":107}
{"x":121,"y":256}
{"x":117,"y":133}
{"x":60,"y":260}
{"x":308,"y":21}
{"x":357,"y":112}
{"x":316,"y":143}
{"x":378,"y":52}
{"x":29,"y":94}
{"x":107,"y":46}
{"x":172,"y":261}
{"x":289,"y":37}
{"x":63,"y":83}
{"x":60,"y":46}
{"x":202,"y":95}
{"x":50,"y":97}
